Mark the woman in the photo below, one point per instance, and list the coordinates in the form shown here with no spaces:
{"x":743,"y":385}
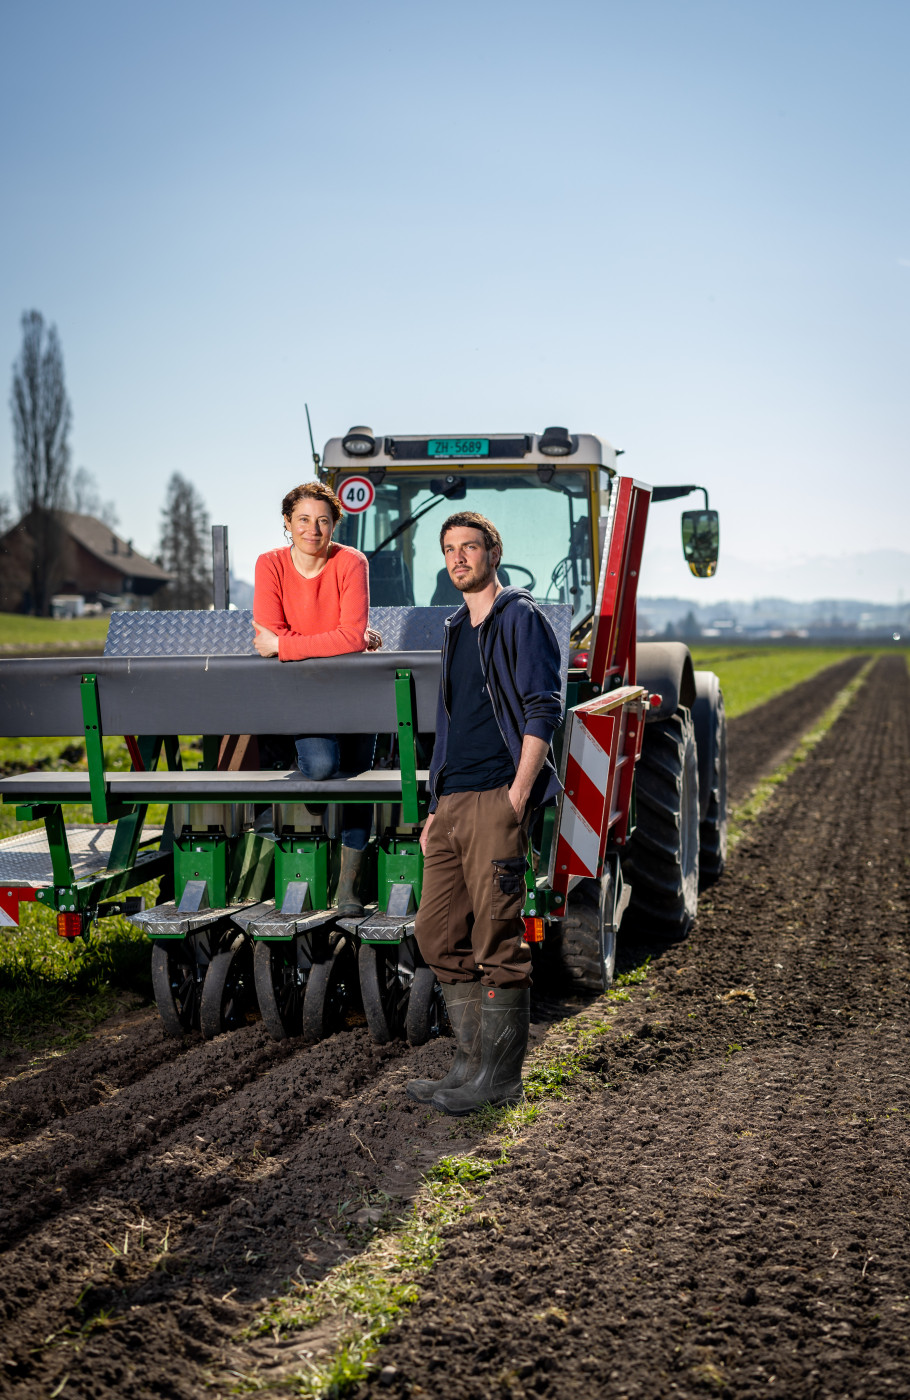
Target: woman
{"x":313,"y":599}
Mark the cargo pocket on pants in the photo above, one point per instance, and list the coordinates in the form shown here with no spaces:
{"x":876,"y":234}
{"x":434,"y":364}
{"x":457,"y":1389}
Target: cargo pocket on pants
{"x":508,"y":887}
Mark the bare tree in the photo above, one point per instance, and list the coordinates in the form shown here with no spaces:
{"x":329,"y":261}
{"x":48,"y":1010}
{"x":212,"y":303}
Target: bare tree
{"x":186,"y":547}
{"x":41,"y":424}
{"x":85,"y":499}
{"x":6,"y":515}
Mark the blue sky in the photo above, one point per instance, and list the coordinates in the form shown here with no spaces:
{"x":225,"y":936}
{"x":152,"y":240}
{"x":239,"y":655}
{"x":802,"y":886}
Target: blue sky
{"x":683,"y":226}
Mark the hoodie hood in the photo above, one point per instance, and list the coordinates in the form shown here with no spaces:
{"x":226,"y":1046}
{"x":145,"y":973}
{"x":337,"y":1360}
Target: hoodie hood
{"x":501,"y":601}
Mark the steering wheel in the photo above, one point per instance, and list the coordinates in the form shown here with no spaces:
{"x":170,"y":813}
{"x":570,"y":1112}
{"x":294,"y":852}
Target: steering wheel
{"x":532,"y":581}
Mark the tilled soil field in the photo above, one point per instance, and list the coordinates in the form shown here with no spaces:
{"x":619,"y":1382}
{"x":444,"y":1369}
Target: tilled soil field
{"x":718,"y":1206}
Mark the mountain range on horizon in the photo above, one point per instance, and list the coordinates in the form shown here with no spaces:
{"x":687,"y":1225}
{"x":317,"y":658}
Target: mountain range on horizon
{"x":876,"y":577}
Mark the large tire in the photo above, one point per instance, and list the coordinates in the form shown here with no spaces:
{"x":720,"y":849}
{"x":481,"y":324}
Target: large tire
{"x":712,"y":853}
{"x":585,"y":940}
{"x":228,"y":995}
{"x":662,"y":855}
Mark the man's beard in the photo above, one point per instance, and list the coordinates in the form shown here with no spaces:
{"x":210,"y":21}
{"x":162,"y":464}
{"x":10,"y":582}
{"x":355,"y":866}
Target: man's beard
{"x":472,"y":583}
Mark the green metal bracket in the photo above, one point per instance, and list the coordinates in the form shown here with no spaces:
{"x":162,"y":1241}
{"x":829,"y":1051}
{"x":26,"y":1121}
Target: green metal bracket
{"x":299,"y":858}
{"x":211,"y":747}
{"x":128,"y":832}
{"x":202,"y":856}
{"x":251,"y":867}
{"x":406,"y":707}
{"x":399,"y":862}
{"x":94,"y":747}
{"x":172,"y":753}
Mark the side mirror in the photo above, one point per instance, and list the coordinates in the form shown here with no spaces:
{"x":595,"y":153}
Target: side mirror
{"x":701,"y":541}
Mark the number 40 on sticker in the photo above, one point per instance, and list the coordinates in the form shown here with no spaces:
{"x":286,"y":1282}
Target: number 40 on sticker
{"x":357,"y":493}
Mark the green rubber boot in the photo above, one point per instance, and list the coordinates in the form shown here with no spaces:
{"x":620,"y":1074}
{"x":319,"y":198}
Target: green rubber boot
{"x":463,"y":1006}
{"x":505,"y":1018}
{"x":346,"y":896}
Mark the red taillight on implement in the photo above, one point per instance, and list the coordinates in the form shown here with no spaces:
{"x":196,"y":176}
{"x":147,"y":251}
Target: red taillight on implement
{"x":69,"y":925}
{"x":580,"y":658}
{"x":535,"y":930}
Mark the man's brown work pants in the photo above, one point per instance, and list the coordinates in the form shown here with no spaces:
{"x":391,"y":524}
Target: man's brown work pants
{"x":469,"y":920}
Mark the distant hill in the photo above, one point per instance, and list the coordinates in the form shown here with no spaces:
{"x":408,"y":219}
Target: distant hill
{"x":879,"y":577}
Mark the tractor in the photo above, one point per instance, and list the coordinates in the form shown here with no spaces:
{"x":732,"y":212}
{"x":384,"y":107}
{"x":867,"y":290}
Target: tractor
{"x":247,"y":854}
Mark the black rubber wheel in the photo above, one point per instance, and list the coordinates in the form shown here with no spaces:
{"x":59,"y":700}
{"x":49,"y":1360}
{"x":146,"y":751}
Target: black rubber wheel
{"x":280,"y":978}
{"x":228,"y":994}
{"x":426,"y":1016}
{"x":662,"y":855}
{"x":712,"y":852}
{"x":328,"y":992}
{"x":177,"y":978}
{"x":585,"y":941}
{"x":385,"y":995}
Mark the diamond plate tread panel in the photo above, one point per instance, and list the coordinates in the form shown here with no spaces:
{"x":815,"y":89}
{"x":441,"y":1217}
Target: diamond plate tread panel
{"x":222,"y":633}
{"x":26,"y":859}
{"x":231,"y":633}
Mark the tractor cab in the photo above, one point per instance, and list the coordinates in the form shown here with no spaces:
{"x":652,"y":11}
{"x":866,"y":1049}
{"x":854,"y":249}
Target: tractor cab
{"x":550,"y":495}
{"x":547,"y":495}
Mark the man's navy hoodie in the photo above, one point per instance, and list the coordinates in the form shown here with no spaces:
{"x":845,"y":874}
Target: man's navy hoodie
{"x":521,"y":664}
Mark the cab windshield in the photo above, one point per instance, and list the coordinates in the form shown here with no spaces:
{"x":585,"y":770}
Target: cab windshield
{"x":545,"y":528}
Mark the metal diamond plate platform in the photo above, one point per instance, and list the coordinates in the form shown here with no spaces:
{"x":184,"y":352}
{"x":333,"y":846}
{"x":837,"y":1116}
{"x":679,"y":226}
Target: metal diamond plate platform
{"x":180,"y":634}
{"x":231,"y":633}
{"x":26,"y":859}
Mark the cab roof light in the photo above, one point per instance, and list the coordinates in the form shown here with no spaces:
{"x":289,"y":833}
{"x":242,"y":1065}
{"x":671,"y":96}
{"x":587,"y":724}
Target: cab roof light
{"x":359,"y":442}
{"x":556,"y":442}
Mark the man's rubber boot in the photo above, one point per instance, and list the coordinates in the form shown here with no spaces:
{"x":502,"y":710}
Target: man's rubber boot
{"x":346,"y":897}
{"x":463,"y":1006}
{"x":505,"y":1017}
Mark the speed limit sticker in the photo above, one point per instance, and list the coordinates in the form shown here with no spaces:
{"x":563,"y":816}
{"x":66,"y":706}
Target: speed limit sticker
{"x":357,"y":493}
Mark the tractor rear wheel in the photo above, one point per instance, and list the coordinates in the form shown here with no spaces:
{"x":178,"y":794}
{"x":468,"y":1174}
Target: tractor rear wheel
{"x":281,"y":982}
{"x":426,"y":1008}
{"x":228,"y":994}
{"x":177,"y":977}
{"x":585,"y":940}
{"x":328,"y":991}
{"x":661,"y":862}
{"x":712,"y":852}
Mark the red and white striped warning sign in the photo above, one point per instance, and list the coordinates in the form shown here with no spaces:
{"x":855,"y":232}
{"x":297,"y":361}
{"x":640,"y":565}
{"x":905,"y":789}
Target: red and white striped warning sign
{"x":602,"y":742}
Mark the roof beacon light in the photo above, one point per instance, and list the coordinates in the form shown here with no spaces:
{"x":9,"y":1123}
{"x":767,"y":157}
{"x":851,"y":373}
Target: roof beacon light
{"x":359,"y":442}
{"x":556,"y":443}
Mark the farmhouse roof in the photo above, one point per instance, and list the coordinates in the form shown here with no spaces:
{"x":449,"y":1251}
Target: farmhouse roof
{"x":101,"y":541}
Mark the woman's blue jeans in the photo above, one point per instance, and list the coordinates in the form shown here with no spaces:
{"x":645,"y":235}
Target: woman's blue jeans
{"x":319,"y":756}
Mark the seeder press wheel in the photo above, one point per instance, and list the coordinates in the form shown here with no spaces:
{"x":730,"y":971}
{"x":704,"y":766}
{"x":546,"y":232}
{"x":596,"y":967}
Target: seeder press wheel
{"x":281,"y":975}
{"x":400,"y":995}
{"x":228,"y":995}
{"x":329,"y":990}
{"x":203,"y":982}
{"x":177,"y":978}
{"x":587,"y":939}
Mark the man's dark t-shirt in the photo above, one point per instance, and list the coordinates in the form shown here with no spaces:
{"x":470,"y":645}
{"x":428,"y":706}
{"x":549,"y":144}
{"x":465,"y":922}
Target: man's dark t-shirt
{"x":477,"y":759}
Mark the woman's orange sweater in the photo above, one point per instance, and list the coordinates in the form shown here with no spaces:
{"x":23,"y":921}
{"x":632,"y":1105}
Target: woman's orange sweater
{"x":322,"y":616}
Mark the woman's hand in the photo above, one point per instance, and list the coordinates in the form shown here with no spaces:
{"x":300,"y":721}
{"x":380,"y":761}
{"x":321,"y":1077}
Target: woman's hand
{"x":265,"y":642}
{"x":373,"y":639}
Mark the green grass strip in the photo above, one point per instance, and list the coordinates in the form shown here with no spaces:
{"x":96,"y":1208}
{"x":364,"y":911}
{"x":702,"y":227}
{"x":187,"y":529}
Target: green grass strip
{"x":751,"y":675}
{"x":748,"y":811}
{"x":51,"y":633}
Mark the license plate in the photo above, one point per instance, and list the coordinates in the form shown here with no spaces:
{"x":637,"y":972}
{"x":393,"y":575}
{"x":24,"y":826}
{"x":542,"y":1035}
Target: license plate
{"x":458,"y":447}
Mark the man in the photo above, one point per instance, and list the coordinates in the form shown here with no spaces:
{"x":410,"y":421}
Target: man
{"x":499,"y":704}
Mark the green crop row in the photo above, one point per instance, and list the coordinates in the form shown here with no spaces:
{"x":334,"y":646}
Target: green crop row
{"x":750,"y":676}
